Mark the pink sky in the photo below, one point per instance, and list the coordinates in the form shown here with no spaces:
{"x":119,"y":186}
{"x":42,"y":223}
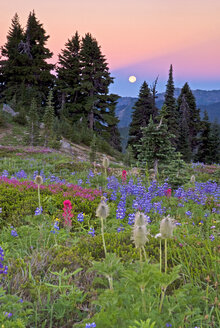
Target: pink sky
{"x":138,"y":37}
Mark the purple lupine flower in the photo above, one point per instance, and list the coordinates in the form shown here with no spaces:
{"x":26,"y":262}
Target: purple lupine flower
{"x":38,"y":211}
{"x":211,"y":237}
{"x":80,"y":217}
{"x":91,"y":232}
{"x":13,"y":232}
{"x":8,"y":314}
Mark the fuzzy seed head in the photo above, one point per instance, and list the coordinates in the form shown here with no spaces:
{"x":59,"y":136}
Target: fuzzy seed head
{"x":192,"y":179}
{"x":140,"y":219}
{"x":167,"y":226}
{"x":105,"y":162}
{"x":38,"y":180}
{"x":139,"y":236}
{"x":102,"y":210}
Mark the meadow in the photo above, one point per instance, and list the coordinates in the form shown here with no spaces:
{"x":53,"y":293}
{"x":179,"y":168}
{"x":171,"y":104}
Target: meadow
{"x":78,"y":249}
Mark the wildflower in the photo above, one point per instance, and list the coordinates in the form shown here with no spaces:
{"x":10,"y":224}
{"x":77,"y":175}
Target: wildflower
{"x":80,"y":217}
{"x":38,"y":211}
{"x":67,"y":214}
{"x":8,"y":314}
{"x":102,"y":210}
{"x":13,"y":232}
{"x":124,"y":176}
{"x":168,"y":192}
{"x":0,"y":210}
{"x":166,"y":228}
{"x":121,"y":228}
{"x":168,"y":325}
{"x":90,"y":325}
{"x":139,"y":236}
{"x":91,"y":232}
{"x":79,"y":182}
{"x":188,"y":213}
{"x":211,"y":237}
{"x":38,"y":180}
{"x":105,"y":162}
{"x":140,"y":219}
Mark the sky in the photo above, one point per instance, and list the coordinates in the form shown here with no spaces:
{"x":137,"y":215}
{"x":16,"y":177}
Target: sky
{"x":137,"y":37}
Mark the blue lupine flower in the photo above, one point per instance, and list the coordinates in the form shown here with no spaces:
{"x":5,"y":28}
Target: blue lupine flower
{"x":5,"y":173}
{"x":90,"y":325}
{"x":8,"y":314}
{"x":38,"y":211}
{"x":79,"y":182}
{"x":121,"y":228}
{"x":80,"y":217}
{"x":13,"y":232}
{"x":0,"y":210}
{"x":211,"y":237}
{"x":188,"y":213}
{"x":91,"y":232}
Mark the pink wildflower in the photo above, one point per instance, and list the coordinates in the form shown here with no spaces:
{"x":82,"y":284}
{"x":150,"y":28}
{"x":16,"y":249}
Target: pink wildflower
{"x":124,"y":176}
{"x":67,"y":213}
{"x":168,"y":192}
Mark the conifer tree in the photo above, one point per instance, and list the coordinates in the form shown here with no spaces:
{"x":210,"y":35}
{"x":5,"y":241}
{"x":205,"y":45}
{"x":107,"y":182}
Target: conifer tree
{"x":214,"y":144}
{"x":193,"y":115}
{"x":204,"y":140}
{"x":69,"y":77}
{"x":38,"y":71}
{"x":97,"y":103}
{"x":184,"y":145}
{"x":176,"y":171}
{"x":143,"y":110}
{"x":171,"y":108}
{"x":25,"y":71}
{"x":155,"y":147}
{"x":33,"y":124}
{"x":48,"y":120}
{"x":12,"y":63}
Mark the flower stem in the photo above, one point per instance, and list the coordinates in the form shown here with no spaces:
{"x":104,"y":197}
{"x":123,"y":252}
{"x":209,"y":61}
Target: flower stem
{"x":38,"y":190}
{"x":103,"y":238}
{"x":160,"y":256}
{"x":145,"y":256}
{"x":165,"y":255}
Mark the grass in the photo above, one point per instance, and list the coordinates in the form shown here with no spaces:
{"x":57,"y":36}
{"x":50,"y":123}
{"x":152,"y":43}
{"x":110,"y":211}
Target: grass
{"x":59,"y":277}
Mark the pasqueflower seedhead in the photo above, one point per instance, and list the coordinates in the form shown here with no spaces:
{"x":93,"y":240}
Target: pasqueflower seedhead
{"x":38,"y":180}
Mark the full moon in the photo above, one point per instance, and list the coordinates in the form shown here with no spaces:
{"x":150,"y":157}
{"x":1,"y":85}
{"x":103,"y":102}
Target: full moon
{"x":132,"y":79}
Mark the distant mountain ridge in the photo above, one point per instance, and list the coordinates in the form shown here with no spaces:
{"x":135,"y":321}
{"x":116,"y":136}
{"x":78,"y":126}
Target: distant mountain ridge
{"x":205,"y":100}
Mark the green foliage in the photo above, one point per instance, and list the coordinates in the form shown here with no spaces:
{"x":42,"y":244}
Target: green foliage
{"x":143,"y":110}
{"x":190,"y":115}
{"x":33,"y":124}
{"x":171,"y":115}
{"x":155,"y":145}
{"x":48,"y":120}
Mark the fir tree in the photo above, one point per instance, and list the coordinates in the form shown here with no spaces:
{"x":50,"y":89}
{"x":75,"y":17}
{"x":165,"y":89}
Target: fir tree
{"x":33,"y":124}
{"x":69,"y":77}
{"x":25,"y":71}
{"x":143,"y":110}
{"x":184,"y":145}
{"x":48,"y":120}
{"x":214,"y":144}
{"x":204,"y":140}
{"x":155,"y":147}
{"x":193,"y":115}
{"x":38,"y":77}
{"x":97,"y":103}
{"x":171,"y":108}
{"x":12,"y":63}
{"x":176,"y":171}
